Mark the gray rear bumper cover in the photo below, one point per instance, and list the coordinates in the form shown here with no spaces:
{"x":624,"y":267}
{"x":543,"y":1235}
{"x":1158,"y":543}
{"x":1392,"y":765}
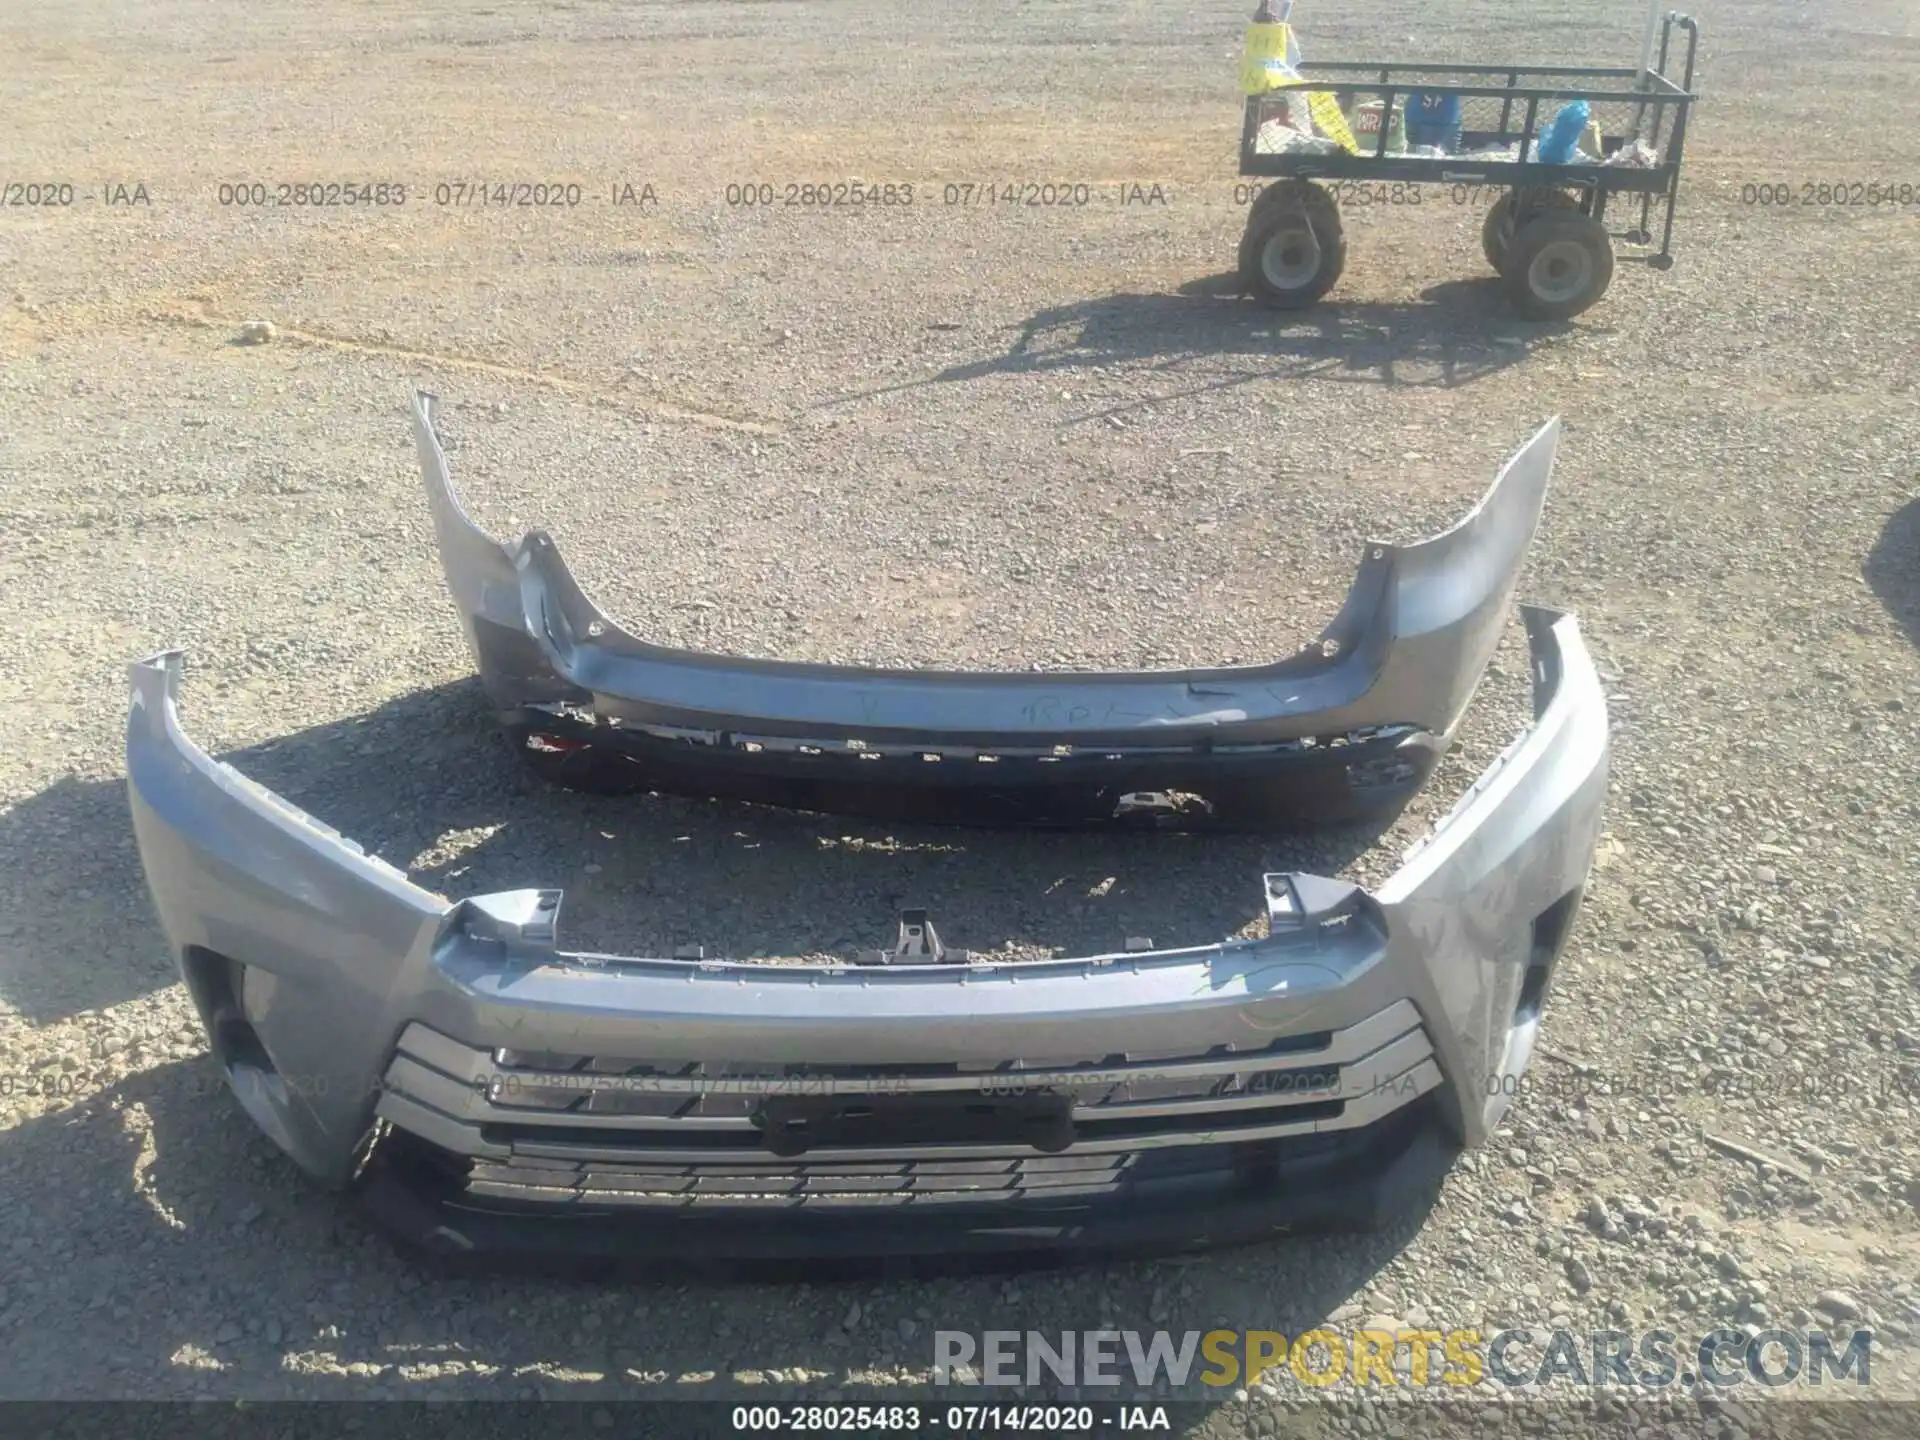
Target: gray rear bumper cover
{"x":1348,"y":727}
{"x":365,"y":996}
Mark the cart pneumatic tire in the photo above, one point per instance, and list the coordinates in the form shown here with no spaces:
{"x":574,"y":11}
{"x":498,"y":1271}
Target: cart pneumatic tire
{"x":1497,"y":230}
{"x":1294,"y":248}
{"x":1559,"y":266}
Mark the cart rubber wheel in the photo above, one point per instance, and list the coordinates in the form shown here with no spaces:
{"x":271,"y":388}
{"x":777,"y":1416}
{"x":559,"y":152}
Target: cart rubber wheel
{"x":1497,"y":231}
{"x":1559,"y":266}
{"x":1294,"y":248}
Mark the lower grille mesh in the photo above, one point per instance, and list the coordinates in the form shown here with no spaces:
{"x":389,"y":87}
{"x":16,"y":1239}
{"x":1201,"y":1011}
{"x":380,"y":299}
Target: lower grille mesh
{"x":523,"y":1183}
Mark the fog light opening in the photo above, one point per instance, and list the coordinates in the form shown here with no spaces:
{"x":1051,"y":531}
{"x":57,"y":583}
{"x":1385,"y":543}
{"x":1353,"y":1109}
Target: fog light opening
{"x":236,"y":1044}
{"x":1550,"y":930}
{"x":1548,"y":937}
{"x":219,"y":984}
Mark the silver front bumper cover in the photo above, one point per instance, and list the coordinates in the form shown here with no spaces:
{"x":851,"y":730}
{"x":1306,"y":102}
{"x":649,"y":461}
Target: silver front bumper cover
{"x":338,"y":994}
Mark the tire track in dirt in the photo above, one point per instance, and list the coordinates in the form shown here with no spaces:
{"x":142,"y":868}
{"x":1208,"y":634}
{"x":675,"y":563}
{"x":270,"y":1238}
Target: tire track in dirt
{"x":592,"y":394}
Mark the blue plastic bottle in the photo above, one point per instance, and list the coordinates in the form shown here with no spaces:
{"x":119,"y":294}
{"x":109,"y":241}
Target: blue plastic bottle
{"x":1433,"y":120}
{"x":1563,"y":136}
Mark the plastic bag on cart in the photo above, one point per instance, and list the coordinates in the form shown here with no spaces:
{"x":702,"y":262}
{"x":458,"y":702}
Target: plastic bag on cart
{"x":1636,"y":154}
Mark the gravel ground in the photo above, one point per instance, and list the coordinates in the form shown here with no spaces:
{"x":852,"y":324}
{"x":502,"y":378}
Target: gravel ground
{"x":946,"y":434}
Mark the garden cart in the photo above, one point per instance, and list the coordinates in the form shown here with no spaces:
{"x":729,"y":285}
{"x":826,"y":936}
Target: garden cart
{"x":1546,"y":232}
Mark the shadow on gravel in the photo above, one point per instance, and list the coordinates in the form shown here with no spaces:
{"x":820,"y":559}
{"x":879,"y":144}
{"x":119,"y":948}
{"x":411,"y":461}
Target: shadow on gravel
{"x":76,"y":929}
{"x":429,"y":784}
{"x":1458,"y":332}
{"x":164,"y":1248}
{"x":1893,"y":569}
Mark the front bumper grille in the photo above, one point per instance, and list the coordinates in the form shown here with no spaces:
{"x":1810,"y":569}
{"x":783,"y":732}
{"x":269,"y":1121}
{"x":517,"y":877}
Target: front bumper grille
{"x":998,"y":1180}
{"x":898,"y":1131}
{"x":901,"y":1216}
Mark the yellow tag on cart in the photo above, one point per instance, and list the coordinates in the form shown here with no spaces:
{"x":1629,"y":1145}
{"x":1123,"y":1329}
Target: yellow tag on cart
{"x":1270,"y":64}
{"x":1328,"y":120}
{"x":1269,"y":59}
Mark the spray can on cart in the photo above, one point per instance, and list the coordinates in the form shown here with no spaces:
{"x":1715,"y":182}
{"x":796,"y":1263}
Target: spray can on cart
{"x":1434,"y":121}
